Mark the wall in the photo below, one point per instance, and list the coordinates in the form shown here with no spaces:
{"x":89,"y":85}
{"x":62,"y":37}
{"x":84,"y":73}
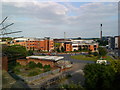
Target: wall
{"x":44,"y":62}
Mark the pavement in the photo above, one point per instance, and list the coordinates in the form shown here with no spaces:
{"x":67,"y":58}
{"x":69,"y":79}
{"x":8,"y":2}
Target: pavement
{"x":68,"y":58}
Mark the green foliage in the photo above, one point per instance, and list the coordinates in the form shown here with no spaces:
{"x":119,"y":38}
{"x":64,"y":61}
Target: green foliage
{"x":102,"y":42}
{"x":39,"y":65}
{"x":47,"y":68}
{"x":33,"y":73}
{"x":98,"y":77}
{"x":30,"y":52}
{"x":58,"y":50}
{"x":79,"y":48}
{"x":116,"y":65}
{"x":62,"y":49}
{"x":31,"y":65}
{"x":71,"y":86}
{"x":57,"y":44}
{"x":16,"y":70}
{"x":95,"y":53}
{"x":102,"y":51}
{"x":15,"y":51}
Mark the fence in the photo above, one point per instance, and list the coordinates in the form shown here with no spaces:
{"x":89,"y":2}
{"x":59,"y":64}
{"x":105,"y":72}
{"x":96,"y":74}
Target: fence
{"x":30,"y":79}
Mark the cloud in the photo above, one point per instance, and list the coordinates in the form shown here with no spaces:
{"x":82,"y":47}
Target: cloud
{"x":44,"y":18}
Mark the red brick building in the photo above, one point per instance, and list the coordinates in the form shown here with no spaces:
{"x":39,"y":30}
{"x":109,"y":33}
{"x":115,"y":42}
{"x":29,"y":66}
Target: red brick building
{"x":45,"y":60}
{"x":74,"y":45}
{"x":45,"y":44}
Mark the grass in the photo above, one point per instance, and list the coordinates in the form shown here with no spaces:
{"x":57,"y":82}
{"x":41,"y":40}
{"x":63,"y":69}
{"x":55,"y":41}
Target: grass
{"x":92,"y":58}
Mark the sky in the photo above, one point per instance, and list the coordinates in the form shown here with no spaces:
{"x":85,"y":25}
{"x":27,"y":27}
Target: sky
{"x":52,"y":19}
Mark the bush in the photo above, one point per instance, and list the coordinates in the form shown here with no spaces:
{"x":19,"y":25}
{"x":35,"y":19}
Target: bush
{"x":33,"y":73}
{"x":47,"y":68}
{"x":32,"y":64}
{"x":95,"y":54}
{"x":39,"y":65}
{"x":30,"y":52}
{"x":17,"y":71}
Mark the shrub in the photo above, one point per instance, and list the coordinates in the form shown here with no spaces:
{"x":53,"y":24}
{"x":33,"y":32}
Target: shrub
{"x":39,"y":65}
{"x":47,"y":68}
{"x":33,"y":73}
{"x":95,"y":54}
{"x":32,"y":64}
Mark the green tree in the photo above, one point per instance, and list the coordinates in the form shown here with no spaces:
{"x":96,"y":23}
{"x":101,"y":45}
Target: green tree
{"x":116,"y":65}
{"x":98,"y":77}
{"x":58,"y":50}
{"x":30,"y":52}
{"x":79,"y":48}
{"x":102,"y":51}
{"x":32,"y":65}
{"x":39,"y":65}
{"x":62,"y":49}
{"x":95,"y":53}
{"x":14,"y":52}
{"x":47,"y":68}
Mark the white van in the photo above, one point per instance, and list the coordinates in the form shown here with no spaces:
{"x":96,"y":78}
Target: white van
{"x":102,"y":61}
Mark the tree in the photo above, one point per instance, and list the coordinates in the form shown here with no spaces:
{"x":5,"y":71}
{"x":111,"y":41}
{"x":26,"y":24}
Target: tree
{"x":39,"y":65}
{"x":102,"y":51}
{"x":31,"y":64}
{"x":79,"y":48}
{"x":30,"y":52}
{"x":62,"y":49}
{"x":98,"y":76}
{"x":14,"y":52}
{"x":95,"y":53}
{"x":116,"y":65}
{"x":58,"y":50}
{"x":47,"y":68}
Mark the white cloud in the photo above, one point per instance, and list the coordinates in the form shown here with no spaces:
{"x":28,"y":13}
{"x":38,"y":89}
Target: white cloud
{"x":54,"y":17}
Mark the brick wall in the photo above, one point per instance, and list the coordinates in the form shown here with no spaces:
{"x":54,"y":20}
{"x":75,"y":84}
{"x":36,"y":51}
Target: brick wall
{"x":44,"y":62}
{"x":5,"y":63}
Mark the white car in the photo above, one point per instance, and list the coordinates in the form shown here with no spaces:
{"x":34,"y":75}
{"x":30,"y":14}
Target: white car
{"x":102,"y":61}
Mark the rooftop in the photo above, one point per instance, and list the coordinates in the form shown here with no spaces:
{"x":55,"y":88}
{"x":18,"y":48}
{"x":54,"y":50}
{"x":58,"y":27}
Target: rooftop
{"x":52,"y":58}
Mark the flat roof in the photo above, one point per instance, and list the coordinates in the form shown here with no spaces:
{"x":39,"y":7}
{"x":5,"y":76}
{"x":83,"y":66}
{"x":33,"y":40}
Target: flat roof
{"x":52,"y":58}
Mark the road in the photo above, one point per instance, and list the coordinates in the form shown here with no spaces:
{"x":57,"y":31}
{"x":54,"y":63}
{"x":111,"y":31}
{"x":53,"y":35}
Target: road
{"x":68,"y":58}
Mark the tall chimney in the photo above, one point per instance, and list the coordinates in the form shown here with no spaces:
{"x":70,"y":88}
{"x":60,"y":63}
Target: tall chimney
{"x":101,"y":32}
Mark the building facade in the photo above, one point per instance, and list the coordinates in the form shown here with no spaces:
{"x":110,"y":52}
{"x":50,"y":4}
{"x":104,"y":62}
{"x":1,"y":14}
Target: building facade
{"x":45,"y":44}
{"x":78,"y":44}
{"x":44,"y":60}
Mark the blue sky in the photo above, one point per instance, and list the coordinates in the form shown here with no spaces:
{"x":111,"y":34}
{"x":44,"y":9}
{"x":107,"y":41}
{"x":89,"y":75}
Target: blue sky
{"x":77,"y":19}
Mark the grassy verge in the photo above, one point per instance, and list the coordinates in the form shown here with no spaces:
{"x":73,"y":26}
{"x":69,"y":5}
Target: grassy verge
{"x":92,"y":58}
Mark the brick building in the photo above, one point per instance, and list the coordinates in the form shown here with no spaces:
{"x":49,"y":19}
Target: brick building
{"x":45,"y":44}
{"x":45,"y":60}
{"x":74,"y":45}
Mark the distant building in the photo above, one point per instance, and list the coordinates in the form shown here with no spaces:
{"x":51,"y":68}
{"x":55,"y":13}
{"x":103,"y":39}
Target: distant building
{"x":77,"y":44}
{"x":44,"y":44}
{"x":114,"y":45}
{"x":111,"y":43}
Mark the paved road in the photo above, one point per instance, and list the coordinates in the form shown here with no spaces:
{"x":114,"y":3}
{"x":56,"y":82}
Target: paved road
{"x":68,"y":58}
